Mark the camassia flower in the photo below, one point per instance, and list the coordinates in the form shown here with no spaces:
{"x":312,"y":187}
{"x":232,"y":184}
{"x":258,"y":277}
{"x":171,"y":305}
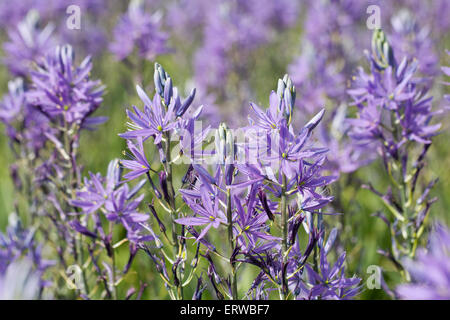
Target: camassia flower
{"x":309,"y":177}
{"x":16,"y":244}
{"x":120,"y":208}
{"x":331,"y":283}
{"x":14,"y":102}
{"x":252,"y":224}
{"x":93,"y":196}
{"x":390,"y":94}
{"x":165,"y":113}
{"x":137,"y":29}
{"x":291,"y":149}
{"x":60,"y":89}
{"x":138,"y":164}
{"x":388,"y":89}
{"x":395,"y":117}
{"x":116,"y":201}
{"x":279,"y":113}
{"x":430,"y":271}
{"x":153,"y":122}
{"x":28,"y":45}
{"x":367,"y":127}
{"x":207,"y":213}
{"x":284,"y":148}
{"x":272,"y":117}
{"x":24,"y":124}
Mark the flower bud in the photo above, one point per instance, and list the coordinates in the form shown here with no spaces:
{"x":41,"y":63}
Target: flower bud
{"x":286,"y":93}
{"x":382,"y":54}
{"x":114,"y":172}
{"x":220,"y":142}
{"x":168,"y":91}
{"x":163,"y":184}
{"x":161,"y":225}
{"x":280,"y":89}
{"x":157,"y":81}
{"x":159,"y":77}
{"x":230,"y":146}
{"x":194,"y":261}
{"x":155,"y":189}
{"x":186,"y":104}
{"x":265,"y":204}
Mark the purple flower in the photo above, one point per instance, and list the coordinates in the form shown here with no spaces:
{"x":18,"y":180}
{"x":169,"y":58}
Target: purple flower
{"x":252,"y":224}
{"x":292,"y":148}
{"x":391,"y":94}
{"x":154,"y":121}
{"x":367,"y":127}
{"x":331,"y":283}
{"x":272,"y":117}
{"x":388,"y":90}
{"x":28,"y":44}
{"x":116,"y":201}
{"x":93,"y":196}
{"x":309,"y":177}
{"x":207,"y":213}
{"x":13,"y":102}
{"x":139,"y":164}
{"x":430,"y":271}
{"x":312,"y":202}
{"x":123,"y":210}
{"x":137,"y":29}
{"x":16,"y":245}
{"x":60,"y":89}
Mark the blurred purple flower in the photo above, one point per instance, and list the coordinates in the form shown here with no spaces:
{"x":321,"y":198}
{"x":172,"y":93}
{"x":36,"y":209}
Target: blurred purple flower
{"x":137,"y":29}
{"x":391,"y":94}
{"x":93,"y":196}
{"x":19,"y":243}
{"x":430,"y":271}
{"x":123,"y":210}
{"x":60,"y":89}
{"x":115,"y":200}
{"x":13,"y":102}
{"x":28,"y":45}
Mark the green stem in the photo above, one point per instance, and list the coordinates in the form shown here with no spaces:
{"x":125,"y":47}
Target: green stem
{"x":113,"y":259}
{"x":284,"y":216}
{"x":284,"y":229}
{"x":234,"y":291}
{"x":168,"y":168}
{"x":70,"y":176}
{"x":172,"y":204}
{"x":80,"y":263}
{"x":414,"y":246}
